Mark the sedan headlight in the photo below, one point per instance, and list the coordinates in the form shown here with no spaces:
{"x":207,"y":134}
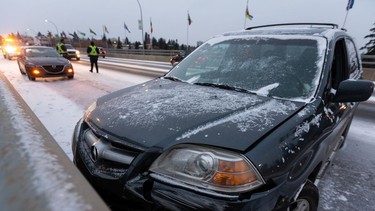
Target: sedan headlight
{"x":10,"y":49}
{"x":209,"y":168}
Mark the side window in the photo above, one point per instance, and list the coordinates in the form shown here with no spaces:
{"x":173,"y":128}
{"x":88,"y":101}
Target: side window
{"x":339,"y":69}
{"x":352,"y":56}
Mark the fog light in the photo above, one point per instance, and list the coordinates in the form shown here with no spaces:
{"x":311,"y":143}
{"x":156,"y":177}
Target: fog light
{"x":70,"y":70}
{"x":36,"y":72}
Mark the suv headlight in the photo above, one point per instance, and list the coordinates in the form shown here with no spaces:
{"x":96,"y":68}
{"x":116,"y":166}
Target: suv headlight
{"x":89,"y":110}
{"x":209,"y":168}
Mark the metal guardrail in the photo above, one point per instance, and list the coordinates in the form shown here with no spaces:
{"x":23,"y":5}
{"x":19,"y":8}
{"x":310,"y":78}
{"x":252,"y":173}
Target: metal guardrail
{"x":148,"y":52}
{"x":368,"y":61}
{"x":143,"y":52}
{"x":35,"y":173}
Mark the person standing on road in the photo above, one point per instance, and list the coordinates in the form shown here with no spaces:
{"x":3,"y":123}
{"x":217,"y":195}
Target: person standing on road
{"x":93,"y":53}
{"x":61,"y":48}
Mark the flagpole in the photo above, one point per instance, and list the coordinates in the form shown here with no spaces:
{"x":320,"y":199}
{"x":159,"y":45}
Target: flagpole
{"x":140,"y":9}
{"x":348,"y":7}
{"x":151,"y":29}
{"x":187,"y":35}
{"x":343,"y":25}
{"x":79,"y":40}
{"x":247,"y":4}
{"x":103,"y":31}
{"x":125,"y":34}
{"x":104,"y":34}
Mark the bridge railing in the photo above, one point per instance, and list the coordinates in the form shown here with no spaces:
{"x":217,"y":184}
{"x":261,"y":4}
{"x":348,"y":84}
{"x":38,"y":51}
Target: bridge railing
{"x":35,"y":173}
{"x":368,"y":61}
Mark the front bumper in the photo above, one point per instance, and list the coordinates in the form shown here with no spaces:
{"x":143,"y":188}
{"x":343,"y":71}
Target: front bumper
{"x":71,"y":54}
{"x":143,"y":192}
{"x":133,"y":186}
{"x":47,"y":71}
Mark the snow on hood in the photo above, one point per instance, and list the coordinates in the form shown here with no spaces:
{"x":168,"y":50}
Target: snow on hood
{"x":162,"y":111}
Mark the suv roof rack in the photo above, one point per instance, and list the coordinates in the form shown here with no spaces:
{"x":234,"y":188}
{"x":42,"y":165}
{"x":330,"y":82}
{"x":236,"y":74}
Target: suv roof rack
{"x":334,"y":26}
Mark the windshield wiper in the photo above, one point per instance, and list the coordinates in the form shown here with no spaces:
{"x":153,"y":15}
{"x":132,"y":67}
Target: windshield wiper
{"x":224,"y":86}
{"x":172,"y":78}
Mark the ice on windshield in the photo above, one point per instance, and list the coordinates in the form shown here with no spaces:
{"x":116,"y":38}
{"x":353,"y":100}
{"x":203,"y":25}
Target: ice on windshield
{"x":285,"y":67}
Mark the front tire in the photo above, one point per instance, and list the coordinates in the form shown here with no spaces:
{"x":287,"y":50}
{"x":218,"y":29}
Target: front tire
{"x":308,"y":198}
{"x":19,"y":66}
{"x":70,"y":77}
{"x":31,"y":78}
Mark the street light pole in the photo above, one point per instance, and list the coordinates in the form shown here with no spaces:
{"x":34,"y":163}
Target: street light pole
{"x":33,"y":31}
{"x":140,"y":8}
{"x":48,"y":21}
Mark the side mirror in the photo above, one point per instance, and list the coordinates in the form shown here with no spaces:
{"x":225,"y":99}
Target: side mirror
{"x":354,"y":91}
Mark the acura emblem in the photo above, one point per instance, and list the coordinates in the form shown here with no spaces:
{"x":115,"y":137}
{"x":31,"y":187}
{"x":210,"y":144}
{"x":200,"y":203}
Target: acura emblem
{"x":97,"y":149}
{"x":94,"y":153}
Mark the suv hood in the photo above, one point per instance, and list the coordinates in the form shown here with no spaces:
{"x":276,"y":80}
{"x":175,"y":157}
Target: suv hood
{"x":162,"y":113}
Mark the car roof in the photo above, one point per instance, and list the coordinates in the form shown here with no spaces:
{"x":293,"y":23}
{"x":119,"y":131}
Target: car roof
{"x":36,"y":46}
{"x":301,"y":29}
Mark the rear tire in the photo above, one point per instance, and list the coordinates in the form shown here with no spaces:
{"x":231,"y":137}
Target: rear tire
{"x":308,"y":198}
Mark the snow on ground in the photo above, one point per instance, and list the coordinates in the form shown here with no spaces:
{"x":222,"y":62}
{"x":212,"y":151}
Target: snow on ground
{"x":349,"y":181}
{"x":60,"y":103}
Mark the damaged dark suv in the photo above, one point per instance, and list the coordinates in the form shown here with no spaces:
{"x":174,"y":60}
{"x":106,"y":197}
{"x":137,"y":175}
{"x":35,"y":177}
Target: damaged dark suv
{"x":249,"y":127}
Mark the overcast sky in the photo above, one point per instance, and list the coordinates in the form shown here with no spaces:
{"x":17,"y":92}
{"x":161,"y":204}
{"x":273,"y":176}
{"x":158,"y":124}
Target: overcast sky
{"x":169,"y":17}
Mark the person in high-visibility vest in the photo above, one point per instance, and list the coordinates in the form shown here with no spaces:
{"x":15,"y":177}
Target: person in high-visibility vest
{"x":93,"y":53}
{"x":61,"y":48}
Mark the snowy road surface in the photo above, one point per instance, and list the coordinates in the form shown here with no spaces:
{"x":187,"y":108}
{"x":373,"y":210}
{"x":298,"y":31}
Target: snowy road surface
{"x":349,"y":183}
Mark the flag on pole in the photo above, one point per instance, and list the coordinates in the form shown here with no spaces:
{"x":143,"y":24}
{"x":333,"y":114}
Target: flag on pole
{"x":81,"y":33}
{"x":92,"y":32}
{"x":350,"y":5}
{"x":49,"y":34}
{"x":105,"y":29}
{"x":62,"y":34}
{"x":126,"y":27}
{"x":189,"y":19}
{"x":151,"y":29}
{"x":247,"y":14}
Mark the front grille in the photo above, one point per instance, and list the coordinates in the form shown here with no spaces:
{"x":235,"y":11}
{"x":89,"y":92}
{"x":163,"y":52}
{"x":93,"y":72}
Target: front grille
{"x":54,"y":68}
{"x":103,"y":156}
